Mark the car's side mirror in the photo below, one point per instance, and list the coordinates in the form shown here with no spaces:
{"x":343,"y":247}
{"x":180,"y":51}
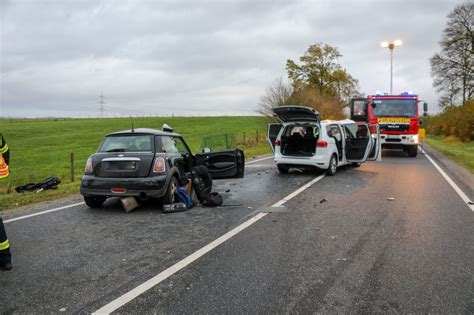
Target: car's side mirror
{"x":206,"y":150}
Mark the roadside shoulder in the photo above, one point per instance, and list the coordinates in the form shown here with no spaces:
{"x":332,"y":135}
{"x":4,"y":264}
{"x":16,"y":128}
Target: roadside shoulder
{"x":462,"y":176}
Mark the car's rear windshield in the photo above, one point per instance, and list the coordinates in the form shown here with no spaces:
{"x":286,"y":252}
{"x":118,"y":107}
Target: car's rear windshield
{"x":127,"y":143}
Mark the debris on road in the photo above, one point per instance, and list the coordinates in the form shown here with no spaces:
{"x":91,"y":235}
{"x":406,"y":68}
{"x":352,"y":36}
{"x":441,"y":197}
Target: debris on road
{"x":322,"y":200}
{"x":49,"y":183}
{"x":174,"y":207}
{"x":390,"y":199}
{"x":227,"y":190}
{"x":129,"y":204}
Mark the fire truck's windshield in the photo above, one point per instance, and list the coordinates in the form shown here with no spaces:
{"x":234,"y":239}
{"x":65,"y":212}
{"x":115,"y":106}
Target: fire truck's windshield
{"x":394,"y":108}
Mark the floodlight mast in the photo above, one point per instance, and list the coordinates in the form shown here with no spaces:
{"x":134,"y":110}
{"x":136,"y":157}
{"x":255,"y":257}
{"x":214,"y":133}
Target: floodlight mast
{"x":391,"y":46}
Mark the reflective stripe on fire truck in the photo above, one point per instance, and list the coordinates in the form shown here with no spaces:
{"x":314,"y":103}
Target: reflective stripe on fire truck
{"x":394,"y":120}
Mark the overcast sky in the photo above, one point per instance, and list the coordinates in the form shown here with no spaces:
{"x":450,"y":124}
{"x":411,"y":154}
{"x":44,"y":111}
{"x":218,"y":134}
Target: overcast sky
{"x":199,"y":57}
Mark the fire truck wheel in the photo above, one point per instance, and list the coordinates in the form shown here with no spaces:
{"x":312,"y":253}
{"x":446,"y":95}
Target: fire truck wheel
{"x":332,"y":166}
{"x":412,"y":150}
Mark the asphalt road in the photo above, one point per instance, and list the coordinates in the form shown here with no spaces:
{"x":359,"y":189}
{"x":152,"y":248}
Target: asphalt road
{"x":339,"y":246}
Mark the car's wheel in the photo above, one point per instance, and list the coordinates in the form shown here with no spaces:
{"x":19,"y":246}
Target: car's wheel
{"x":94,"y":201}
{"x":170,"y":195}
{"x":332,"y":166}
{"x":202,"y":182}
{"x":282,"y":168}
{"x":412,"y":150}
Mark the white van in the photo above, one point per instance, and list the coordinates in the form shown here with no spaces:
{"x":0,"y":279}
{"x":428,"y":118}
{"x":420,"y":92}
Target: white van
{"x":302,"y":139}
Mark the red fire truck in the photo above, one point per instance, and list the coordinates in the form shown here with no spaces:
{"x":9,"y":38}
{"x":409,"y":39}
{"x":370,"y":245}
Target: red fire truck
{"x":397,"y":117}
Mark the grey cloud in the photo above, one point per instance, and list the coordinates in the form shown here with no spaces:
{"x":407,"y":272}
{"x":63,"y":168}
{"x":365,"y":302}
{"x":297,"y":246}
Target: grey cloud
{"x":198,"y":57}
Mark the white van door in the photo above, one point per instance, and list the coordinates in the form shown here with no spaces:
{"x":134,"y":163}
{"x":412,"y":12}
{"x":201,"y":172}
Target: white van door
{"x":376,"y":152}
{"x":272,"y":134}
{"x":358,"y":142}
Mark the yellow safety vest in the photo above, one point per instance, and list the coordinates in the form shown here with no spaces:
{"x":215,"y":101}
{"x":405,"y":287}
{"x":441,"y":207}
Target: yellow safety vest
{"x":4,"y":170}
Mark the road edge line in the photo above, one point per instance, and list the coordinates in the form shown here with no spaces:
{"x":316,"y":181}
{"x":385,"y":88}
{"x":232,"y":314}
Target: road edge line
{"x":262,"y":159}
{"x":456,"y":188}
{"x":43,"y":212}
{"x":147,"y":285}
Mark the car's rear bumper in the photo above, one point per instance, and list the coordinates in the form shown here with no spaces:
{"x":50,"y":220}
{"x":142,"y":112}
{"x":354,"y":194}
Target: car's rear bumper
{"x":154,"y":187}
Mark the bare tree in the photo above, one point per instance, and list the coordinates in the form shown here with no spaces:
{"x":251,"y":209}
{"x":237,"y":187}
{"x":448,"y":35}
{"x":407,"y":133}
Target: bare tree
{"x":277,"y":94}
{"x":453,"y":67}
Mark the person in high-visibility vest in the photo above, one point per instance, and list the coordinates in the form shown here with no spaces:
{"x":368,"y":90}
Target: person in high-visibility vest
{"x":5,"y":254}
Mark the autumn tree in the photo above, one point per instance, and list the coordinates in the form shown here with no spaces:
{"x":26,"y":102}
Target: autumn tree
{"x":317,"y":81}
{"x":453,"y":67}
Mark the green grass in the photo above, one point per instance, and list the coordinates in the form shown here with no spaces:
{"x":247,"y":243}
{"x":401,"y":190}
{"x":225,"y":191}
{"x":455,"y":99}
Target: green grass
{"x":42,"y":148}
{"x":460,"y":152}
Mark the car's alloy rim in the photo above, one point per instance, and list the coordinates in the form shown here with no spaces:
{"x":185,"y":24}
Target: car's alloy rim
{"x":333,"y":164}
{"x":173,"y":191}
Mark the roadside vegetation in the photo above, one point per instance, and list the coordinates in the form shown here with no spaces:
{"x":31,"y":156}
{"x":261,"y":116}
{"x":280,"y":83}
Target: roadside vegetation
{"x":452,"y":131}
{"x":460,"y":152}
{"x":42,"y":148}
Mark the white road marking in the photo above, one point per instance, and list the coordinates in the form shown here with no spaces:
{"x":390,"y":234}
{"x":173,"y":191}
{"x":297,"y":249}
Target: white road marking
{"x":262,"y":159}
{"x":43,"y":212}
{"x":134,"y":293}
{"x":450,"y":181}
{"x":297,"y":192}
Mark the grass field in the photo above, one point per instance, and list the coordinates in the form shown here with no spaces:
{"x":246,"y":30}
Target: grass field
{"x":42,"y":148}
{"x":460,"y":152}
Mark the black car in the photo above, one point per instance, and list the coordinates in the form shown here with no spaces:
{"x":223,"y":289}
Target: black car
{"x":149,"y":163}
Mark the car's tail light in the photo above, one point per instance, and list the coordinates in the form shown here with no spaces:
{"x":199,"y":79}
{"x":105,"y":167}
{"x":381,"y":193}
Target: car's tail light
{"x":159,"y":165}
{"x":321,"y":144}
{"x":277,"y":142}
{"x":118,"y":190}
{"x":89,"y":166}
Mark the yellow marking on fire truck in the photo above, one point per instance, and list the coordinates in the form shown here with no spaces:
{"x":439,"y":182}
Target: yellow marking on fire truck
{"x":394,"y":120}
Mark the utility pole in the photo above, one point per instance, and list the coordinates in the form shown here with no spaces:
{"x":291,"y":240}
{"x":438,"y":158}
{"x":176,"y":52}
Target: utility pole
{"x":101,"y":106}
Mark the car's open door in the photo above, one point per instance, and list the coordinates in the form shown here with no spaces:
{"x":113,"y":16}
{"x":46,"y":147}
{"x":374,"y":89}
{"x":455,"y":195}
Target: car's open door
{"x":376,"y":152}
{"x":272,"y":134}
{"x":223,"y":164}
{"x":358,"y":142}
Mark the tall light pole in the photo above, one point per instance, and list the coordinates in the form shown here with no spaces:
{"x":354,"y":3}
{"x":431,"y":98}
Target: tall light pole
{"x":391,"y":46}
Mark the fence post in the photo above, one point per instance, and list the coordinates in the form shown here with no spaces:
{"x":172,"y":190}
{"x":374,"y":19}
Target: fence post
{"x":256,"y":136}
{"x":226,"y":142}
{"x":244,"y":137}
{"x":72,"y":167}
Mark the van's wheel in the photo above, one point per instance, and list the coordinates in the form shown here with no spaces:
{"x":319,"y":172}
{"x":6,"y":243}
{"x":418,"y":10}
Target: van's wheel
{"x":412,"y":150}
{"x":94,"y":201}
{"x":170,"y":196}
{"x":332,"y":166}
{"x":282,"y":168}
